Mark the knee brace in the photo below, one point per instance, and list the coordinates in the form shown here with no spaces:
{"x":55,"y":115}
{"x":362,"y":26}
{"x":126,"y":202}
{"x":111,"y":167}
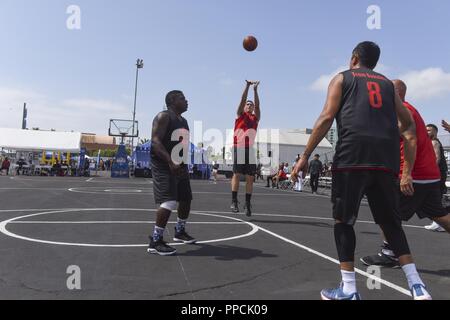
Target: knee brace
{"x":169,"y":205}
{"x":345,"y":242}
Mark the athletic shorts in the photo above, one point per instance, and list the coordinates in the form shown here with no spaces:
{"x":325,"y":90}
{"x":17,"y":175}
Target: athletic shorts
{"x":168,"y":187}
{"x":380,"y":187}
{"x":244,"y":161}
{"x":426,"y":202}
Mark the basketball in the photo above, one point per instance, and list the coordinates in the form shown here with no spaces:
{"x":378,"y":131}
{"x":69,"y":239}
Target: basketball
{"x":250,"y":43}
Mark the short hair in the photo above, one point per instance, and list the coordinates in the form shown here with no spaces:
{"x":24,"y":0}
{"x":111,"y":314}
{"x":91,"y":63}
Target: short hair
{"x":368,"y":53}
{"x":250,"y":101}
{"x":171,"y":97}
{"x":317,"y":155}
{"x":433,"y":126}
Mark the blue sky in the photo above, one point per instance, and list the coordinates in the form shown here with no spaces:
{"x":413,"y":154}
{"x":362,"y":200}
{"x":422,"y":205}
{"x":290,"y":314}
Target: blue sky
{"x":79,"y":79}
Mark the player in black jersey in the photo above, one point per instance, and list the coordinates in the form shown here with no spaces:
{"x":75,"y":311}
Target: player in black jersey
{"x":170,"y":152}
{"x":369,"y":114}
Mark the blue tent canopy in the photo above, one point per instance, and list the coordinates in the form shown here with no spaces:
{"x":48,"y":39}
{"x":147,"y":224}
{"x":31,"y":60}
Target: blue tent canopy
{"x":141,"y":158}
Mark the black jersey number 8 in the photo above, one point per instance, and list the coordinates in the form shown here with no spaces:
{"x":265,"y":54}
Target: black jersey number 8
{"x":375,"y":98}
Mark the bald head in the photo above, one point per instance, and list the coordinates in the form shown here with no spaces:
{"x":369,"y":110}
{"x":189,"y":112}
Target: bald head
{"x":400,"y":88}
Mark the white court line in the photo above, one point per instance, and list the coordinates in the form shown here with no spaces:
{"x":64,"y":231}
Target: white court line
{"x":89,"y":180}
{"x":215,"y":212}
{"x":115,"y":222}
{"x":3,"y":229}
{"x":255,"y":228}
{"x":35,"y":210}
{"x":317,"y":253}
{"x":34,"y":188}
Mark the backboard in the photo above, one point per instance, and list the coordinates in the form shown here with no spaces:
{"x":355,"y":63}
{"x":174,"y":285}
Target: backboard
{"x":123,"y":128}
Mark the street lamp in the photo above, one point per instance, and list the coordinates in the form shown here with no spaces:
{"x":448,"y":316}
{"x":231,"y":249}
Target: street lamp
{"x":139,"y":65}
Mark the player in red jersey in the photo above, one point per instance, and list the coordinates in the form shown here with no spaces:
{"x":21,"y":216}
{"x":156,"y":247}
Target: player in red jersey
{"x":246,"y":125}
{"x":427,"y":199}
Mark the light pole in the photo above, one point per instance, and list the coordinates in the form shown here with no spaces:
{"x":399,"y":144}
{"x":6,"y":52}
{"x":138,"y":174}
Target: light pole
{"x":139,"y":65}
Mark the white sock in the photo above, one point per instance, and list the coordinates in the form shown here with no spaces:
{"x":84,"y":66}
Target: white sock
{"x":349,"y":281}
{"x":412,"y":275}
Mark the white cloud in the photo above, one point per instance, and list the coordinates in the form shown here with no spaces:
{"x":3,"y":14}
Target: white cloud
{"x":427,"y":84}
{"x":83,"y":115}
{"x":322,"y":83}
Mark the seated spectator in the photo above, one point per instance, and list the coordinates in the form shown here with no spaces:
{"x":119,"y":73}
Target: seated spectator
{"x":279,"y":177}
{"x":270,"y":177}
{"x":215,"y":171}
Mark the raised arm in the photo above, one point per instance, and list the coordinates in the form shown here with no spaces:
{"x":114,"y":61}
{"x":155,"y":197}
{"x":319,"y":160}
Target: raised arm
{"x":323,"y":124}
{"x":241,"y":107}
{"x":257,"y":105}
{"x":407,"y":128}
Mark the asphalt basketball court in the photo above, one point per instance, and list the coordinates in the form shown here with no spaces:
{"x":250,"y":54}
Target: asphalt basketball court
{"x":286,"y":251}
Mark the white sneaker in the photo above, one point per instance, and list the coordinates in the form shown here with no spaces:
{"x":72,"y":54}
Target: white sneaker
{"x":435,"y":227}
{"x":419,"y":292}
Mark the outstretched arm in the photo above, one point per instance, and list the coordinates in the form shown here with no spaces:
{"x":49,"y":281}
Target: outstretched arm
{"x":257,"y":105}
{"x":446,"y":126}
{"x":244,"y":99}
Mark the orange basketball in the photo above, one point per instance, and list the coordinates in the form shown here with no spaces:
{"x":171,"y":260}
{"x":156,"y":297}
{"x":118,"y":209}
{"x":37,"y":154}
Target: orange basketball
{"x":250,"y":43}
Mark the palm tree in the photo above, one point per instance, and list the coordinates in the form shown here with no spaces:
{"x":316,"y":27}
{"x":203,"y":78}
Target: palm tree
{"x":144,"y":141}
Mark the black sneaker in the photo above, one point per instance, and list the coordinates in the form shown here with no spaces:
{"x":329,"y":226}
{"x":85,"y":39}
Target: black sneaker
{"x":184,"y":238}
{"x":381,"y":260}
{"x":235,"y":207}
{"x":160,"y":247}
{"x":248,"y":209}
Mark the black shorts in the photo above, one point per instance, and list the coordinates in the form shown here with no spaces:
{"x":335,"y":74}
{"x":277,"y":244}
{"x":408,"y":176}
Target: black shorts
{"x":244,"y":161}
{"x":426,"y":202}
{"x":381,"y":189}
{"x":167,"y":187}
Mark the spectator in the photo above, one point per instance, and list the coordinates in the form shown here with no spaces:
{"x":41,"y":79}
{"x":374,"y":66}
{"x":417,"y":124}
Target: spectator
{"x":280,"y":176}
{"x":270,"y":177}
{"x":57,"y":169}
{"x":20,"y":164}
{"x":296,"y":160}
{"x":286,"y":168}
{"x":298,"y":187}
{"x":443,"y":168}
{"x":315,"y":168}
{"x":215,"y":171}
{"x":86,"y":168}
{"x":259,"y":172}
{"x":5,"y":165}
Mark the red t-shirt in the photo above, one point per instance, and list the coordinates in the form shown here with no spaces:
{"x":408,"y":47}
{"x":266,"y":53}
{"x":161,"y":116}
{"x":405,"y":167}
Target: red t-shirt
{"x":245,"y":130}
{"x":425,"y":167}
{"x":6,"y":164}
{"x":282,"y":174}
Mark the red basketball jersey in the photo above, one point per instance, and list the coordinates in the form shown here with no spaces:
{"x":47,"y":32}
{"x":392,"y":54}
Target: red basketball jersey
{"x":243,"y":138}
{"x":426,"y":167}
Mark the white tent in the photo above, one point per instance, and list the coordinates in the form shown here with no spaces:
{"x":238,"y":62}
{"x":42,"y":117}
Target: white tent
{"x":35,"y":141}
{"x":287,"y":142}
